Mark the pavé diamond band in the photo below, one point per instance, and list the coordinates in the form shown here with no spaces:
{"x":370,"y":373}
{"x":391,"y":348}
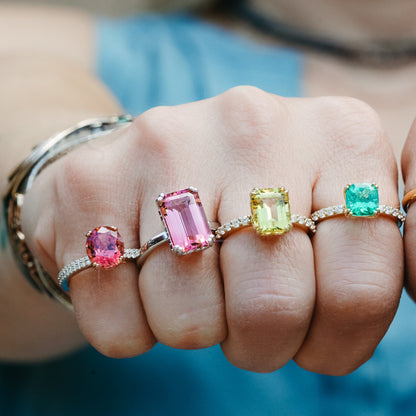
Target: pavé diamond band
{"x":105,"y":250}
{"x":361,"y":201}
{"x":270,"y":215}
{"x":186,"y":229}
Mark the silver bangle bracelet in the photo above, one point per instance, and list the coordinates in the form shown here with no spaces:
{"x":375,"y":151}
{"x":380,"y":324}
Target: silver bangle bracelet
{"x":21,"y":180}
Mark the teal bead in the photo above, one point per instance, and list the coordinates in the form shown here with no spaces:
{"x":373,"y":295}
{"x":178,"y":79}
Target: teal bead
{"x":362,"y":199}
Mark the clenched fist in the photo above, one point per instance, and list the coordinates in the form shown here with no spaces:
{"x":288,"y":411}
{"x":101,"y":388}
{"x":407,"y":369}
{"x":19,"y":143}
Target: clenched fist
{"x":325,"y":301}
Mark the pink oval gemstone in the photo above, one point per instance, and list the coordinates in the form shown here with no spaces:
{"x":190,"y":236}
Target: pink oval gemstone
{"x":105,"y":247}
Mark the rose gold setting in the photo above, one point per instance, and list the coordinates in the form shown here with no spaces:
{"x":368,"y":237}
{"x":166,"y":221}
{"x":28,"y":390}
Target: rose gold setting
{"x":408,"y":199}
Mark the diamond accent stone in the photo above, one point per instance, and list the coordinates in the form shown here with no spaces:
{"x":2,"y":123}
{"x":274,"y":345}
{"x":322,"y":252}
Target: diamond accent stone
{"x":105,"y":247}
{"x":362,"y":200}
{"x":330,"y":211}
{"x":235,"y":223}
{"x":339,"y":209}
{"x":83,"y":263}
{"x":246,"y":221}
{"x":229,"y":227}
{"x":185,"y":221}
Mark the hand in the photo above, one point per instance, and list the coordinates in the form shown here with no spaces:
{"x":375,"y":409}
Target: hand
{"x":325,"y":302}
{"x":409,"y":177}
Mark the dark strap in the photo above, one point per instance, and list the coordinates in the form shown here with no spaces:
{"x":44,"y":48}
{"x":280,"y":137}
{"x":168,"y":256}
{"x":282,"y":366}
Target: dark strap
{"x":380,"y":53}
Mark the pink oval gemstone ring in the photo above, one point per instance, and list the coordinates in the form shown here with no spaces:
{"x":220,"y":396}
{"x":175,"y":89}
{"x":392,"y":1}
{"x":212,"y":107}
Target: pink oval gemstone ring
{"x":105,"y":247}
{"x":105,"y":250}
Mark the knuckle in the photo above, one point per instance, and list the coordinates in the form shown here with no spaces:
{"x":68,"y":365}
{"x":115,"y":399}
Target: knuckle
{"x":344,"y":369}
{"x":104,"y":331}
{"x":253,"y":115}
{"x":194,"y":330}
{"x":275,"y":306}
{"x":347,"y":108}
{"x":335,"y":367}
{"x":273,"y":320}
{"x":353,"y":127}
{"x":409,"y":155}
{"x":80,"y":177}
{"x":120,"y":345}
{"x":158,"y":130}
{"x":248,"y":361}
{"x":84,"y":180}
{"x":362,"y":304}
{"x":246,"y":97}
{"x":73,"y":179}
{"x":43,"y":241}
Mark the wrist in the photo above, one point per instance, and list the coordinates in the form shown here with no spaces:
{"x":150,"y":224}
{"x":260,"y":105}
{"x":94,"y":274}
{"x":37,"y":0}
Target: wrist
{"x":20,"y":182}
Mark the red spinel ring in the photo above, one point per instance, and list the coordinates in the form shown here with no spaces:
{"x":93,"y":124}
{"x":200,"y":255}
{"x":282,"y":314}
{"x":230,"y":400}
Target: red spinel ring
{"x":105,"y":250}
{"x":186,"y":226}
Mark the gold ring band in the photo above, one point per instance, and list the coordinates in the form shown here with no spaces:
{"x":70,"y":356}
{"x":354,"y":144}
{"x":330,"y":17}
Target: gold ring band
{"x":361,"y":201}
{"x":270,"y":215}
{"x":408,"y":199}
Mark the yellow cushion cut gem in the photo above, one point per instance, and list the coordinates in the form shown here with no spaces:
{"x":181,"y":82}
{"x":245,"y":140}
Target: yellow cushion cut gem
{"x":270,"y":211}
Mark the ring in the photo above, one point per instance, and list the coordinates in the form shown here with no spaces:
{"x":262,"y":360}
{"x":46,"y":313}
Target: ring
{"x":362,"y":201}
{"x":408,"y":199}
{"x":105,"y":250}
{"x":270,"y":215}
{"x":186,"y":226}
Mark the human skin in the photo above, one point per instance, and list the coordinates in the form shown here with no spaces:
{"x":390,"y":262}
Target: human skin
{"x":389,"y":90}
{"x":264,"y":300}
{"x":345,"y":21}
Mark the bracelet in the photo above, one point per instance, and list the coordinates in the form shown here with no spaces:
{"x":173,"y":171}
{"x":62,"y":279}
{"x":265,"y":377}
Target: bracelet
{"x":21,"y":180}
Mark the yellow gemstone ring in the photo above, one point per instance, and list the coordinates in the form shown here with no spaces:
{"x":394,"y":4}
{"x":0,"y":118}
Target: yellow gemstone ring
{"x":270,"y":215}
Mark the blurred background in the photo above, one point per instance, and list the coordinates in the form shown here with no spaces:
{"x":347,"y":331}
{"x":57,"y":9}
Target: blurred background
{"x":117,"y":7}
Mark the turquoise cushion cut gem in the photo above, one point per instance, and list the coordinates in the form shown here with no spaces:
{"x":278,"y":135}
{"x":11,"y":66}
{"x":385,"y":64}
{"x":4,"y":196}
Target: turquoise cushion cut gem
{"x":362,"y":199}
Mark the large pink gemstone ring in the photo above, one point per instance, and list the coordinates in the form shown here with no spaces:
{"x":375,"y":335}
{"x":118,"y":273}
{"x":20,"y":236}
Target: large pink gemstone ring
{"x":105,"y":250}
{"x":186,"y":226}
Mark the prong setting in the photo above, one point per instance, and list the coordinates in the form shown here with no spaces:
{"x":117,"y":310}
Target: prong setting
{"x":361,"y":201}
{"x":178,"y":250}
{"x":184,"y":220}
{"x":270,"y":211}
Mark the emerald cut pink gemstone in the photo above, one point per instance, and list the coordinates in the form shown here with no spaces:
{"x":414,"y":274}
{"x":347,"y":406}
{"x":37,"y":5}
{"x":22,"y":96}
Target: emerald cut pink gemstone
{"x":104,"y":247}
{"x":185,"y":221}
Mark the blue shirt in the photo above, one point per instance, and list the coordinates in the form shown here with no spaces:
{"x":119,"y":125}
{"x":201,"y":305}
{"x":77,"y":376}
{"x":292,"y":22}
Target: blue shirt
{"x":165,"y":60}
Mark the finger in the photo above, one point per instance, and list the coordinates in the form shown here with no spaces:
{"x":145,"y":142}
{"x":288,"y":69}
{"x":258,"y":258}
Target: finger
{"x":358,"y":261}
{"x":269,"y":281}
{"x":106,"y":302}
{"x":409,"y":176}
{"x":182,"y":295}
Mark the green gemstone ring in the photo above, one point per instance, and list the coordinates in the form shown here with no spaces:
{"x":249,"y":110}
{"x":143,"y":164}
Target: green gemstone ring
{"x":361,"y":200}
